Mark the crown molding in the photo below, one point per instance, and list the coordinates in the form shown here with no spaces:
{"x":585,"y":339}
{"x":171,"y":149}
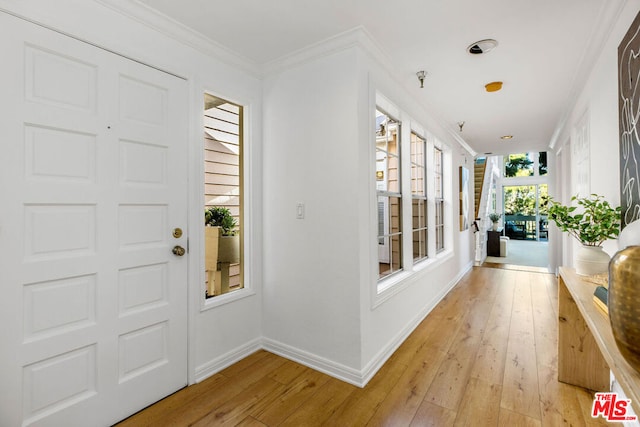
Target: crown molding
{"x":354,"y":37}
{"x":593,"y":47}
{"x":359,"y":37}
{"x":161,"y":23}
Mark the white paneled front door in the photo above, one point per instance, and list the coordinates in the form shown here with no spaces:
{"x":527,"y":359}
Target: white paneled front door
{"x":93,"y":182}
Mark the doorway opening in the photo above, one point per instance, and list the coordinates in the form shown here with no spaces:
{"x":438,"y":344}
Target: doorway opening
{"x":523,"y":194}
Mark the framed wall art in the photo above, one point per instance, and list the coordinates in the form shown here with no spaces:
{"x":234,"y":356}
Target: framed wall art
{"x":629,"y":110}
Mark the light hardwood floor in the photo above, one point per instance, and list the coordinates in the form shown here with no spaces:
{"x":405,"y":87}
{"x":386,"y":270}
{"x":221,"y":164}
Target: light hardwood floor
{"x":485,"y":356}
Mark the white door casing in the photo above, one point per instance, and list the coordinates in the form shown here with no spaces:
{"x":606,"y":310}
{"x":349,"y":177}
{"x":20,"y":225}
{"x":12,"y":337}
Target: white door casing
{"x":93,"y":180}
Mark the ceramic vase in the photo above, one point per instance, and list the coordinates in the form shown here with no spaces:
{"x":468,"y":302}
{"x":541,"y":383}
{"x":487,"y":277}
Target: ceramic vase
{"x":591,"y":260}
{"x":495,"y":226}
{"x":624,"y":303}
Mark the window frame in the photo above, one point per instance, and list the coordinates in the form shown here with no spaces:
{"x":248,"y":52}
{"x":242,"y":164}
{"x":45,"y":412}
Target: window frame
{"x":388,"y":235}
{"x":382,"y":289}
{"x":439,"y":199}
{"x":246,"y":246}
{"x":416,"y":196}
{"x":535,"y":167}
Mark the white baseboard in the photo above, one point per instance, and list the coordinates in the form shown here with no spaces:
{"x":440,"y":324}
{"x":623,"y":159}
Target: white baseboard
{"x":384,"y":354}
{"x":359,"y":378}
{"x":205,"y":370}
{"x":326,"y":366}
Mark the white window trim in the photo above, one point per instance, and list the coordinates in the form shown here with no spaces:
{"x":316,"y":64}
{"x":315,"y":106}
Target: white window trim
{"x":196,"y":239}
{"x":412,"y":197}
{"x":385,"y":288}
{"x":400,"y":195}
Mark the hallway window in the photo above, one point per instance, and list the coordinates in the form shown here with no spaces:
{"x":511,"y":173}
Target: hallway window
{"x":525,"y":164}
{"x":518,"y":165}
{"x":542,"y":163}
{"x":389,"y":196}
{"x":419,"y":196}
{"x":438,"y":173}
{"x":222,"y":195}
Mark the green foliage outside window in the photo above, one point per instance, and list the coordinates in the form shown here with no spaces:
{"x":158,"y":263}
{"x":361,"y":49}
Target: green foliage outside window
{"x":542,"y":163}
{"x":521,"y":200}
{"x":522,"y":164}
{"x":517,"y":165}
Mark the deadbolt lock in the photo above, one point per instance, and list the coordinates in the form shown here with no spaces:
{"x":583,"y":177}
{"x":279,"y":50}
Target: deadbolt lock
{"x":177,"y":233}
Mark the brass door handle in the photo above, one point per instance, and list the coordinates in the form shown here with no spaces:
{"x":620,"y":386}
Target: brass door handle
{"x":178,"y":250}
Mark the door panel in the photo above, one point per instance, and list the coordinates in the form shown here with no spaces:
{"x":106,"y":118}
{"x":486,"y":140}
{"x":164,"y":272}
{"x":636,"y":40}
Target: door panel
{"x":92,"y":183}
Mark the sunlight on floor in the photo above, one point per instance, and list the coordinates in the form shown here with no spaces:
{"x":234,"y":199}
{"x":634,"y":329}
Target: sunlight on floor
{"x":523,"y":253}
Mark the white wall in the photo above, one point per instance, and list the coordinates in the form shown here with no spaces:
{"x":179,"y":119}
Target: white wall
{"x":320,"y":300}
{"x":311,"y":264}
{"x":599,"y":99}
{"x":216,"y":335}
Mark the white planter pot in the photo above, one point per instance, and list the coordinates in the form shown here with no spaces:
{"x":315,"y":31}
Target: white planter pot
{"x":495,"y":226}
{"x":590,"y":260}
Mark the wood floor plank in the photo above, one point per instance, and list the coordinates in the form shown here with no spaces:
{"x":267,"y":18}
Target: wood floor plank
{"x":552,"y":291}
{"x":480,"y":405}
{"x":514,"y":419}
{"x":289,"y":371}
{"x":430,"y":415}
{"x":188,"y":405}
{"x":450,"y":382}
{"x":491,"y":340}
{"x":545,"y":322}
{"x":240,"y":366}
{"x":290,"y":398}
{"x":360,"y":406}
{"x":236,"y":409}
{"x":251,"y":422}
{"x":559,"y":404}
{"x":402,"y":403}
{"x":490,"y":359}
{"x":322,"y":405}
{"x":520,"y":384}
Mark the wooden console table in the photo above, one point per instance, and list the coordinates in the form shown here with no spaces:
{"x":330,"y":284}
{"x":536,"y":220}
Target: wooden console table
{"x":586,"y":347}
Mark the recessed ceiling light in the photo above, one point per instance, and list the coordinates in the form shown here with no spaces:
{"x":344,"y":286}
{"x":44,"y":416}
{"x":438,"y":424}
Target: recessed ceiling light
{"x":493,"y":86}
{"x":506,"y":137}
{"x":482,"y":46}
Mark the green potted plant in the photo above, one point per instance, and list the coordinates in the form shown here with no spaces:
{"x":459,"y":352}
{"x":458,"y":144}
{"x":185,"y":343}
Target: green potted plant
{"x":218,"y":216}
{"x":591,"y":222}
{"x":495,"y":217}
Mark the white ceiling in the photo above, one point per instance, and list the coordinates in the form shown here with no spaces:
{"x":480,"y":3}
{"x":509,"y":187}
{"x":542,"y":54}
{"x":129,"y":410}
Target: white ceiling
{"x":546,"y":48}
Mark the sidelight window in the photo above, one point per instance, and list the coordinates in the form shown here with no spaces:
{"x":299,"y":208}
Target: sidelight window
{"x":222,"y":195}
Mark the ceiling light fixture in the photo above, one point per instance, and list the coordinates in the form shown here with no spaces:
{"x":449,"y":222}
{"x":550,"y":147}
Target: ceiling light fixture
{"x":421,"y":75}
{"x":460,"y":125}
{"x":506,"y":137}
{"x":482,"y":46}
{"x":493,"y":86}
